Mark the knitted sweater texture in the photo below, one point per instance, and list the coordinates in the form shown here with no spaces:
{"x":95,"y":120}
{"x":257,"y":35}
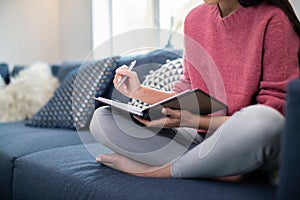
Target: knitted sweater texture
{"x":242,"y":59}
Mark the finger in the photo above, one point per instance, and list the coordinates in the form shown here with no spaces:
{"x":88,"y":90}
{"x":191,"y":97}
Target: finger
{"x":159,"y":123}
{"x":128,"y":73}
{"x":121,"y":70}
{"x":143,"y":121}
{"x":154,"y":123}
{"x":123,"y":67}
{"x":105,"y":160}
{"x":171,"y":112}
{"x":117,"y":79}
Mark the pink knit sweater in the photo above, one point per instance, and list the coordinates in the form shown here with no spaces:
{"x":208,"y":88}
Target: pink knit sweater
{"x":243,"y":59}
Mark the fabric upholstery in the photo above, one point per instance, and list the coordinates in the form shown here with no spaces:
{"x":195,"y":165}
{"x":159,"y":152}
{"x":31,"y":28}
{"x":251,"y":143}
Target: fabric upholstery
{"x":72,"y":173}
{"x":57,"y":113}
{"x":289,"y":172}
{"x":16,"y":69}
{"x":4,"y":72}
{"x":60,"y":71}
{"x":65,"y":68}
{"x":44,"y":163}
{"x":17,"y":140}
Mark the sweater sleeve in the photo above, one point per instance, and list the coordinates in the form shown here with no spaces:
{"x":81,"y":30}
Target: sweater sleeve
{"x":280,"y":62}
{"x":184,"y":82}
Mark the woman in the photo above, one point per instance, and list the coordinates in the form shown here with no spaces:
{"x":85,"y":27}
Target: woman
{"x":254,"y":46}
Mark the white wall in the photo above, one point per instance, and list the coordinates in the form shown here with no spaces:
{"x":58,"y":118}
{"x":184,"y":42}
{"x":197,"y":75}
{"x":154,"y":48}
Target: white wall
{"x":49,"y":30}
{"x":29,"y":30}
{"x":44,"y":30}
{"x":75,"y":29}
{"x":296,"y":6}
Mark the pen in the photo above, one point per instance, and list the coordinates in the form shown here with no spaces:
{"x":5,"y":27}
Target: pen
{"x":132,"y":64}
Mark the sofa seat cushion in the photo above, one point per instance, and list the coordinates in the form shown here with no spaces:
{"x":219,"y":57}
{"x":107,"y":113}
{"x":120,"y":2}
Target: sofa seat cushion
{"x":72,"y":173}
{"x":18,"y":140}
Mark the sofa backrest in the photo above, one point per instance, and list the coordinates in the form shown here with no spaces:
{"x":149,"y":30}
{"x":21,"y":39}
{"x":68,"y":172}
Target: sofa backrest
{"x":4,"y":72}
{"x":60,"y":71}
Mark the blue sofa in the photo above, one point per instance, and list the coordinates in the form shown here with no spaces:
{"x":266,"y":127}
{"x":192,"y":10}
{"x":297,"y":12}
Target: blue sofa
{"x":48,"y":163}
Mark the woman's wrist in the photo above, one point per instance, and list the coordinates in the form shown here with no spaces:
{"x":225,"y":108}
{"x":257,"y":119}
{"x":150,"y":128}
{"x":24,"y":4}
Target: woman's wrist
{"x":150,"y":95}
{"x":212,"y":123}
{"x":194,"y":121}
{"x":138,"y":93}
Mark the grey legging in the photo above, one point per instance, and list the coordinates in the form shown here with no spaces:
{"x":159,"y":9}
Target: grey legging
{"x":248,"y":141}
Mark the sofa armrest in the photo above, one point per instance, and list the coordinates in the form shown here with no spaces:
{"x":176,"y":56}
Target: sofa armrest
{"x":290,"y":163}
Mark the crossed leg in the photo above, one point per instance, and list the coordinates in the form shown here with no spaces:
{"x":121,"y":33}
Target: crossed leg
{"x":249,"y":140}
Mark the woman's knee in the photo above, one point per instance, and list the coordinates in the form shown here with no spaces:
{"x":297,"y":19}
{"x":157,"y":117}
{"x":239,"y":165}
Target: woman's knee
{"x":264,"y":120}
{"x":267,"y":134}
{"x":260,"y":130}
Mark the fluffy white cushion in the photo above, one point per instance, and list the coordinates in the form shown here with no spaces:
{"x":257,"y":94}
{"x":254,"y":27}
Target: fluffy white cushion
{"x":2,"y":83}
{"x":27,"y":93}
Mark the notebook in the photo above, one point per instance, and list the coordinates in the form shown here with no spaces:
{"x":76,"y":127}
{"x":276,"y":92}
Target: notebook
{"x":195,"y":101}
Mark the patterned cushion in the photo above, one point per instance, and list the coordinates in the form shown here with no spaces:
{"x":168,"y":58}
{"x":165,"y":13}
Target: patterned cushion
{"x":162,"y":78}
{"x":72,"y":104}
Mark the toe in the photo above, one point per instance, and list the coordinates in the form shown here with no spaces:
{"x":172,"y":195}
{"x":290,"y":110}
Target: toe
{"x":99,"y":158}
{"x":107,"y":158}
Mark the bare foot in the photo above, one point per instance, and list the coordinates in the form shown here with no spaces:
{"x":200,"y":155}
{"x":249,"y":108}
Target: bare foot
{"x":124,"y":164}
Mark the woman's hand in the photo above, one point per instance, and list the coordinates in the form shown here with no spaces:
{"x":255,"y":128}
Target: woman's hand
{"x":131,"y":85}
{"x":173,"y":119}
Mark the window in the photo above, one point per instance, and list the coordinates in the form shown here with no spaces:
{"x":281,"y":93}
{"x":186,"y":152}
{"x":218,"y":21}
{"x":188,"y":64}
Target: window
{"x":172,"y":13}
{"x":113,"y":17}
